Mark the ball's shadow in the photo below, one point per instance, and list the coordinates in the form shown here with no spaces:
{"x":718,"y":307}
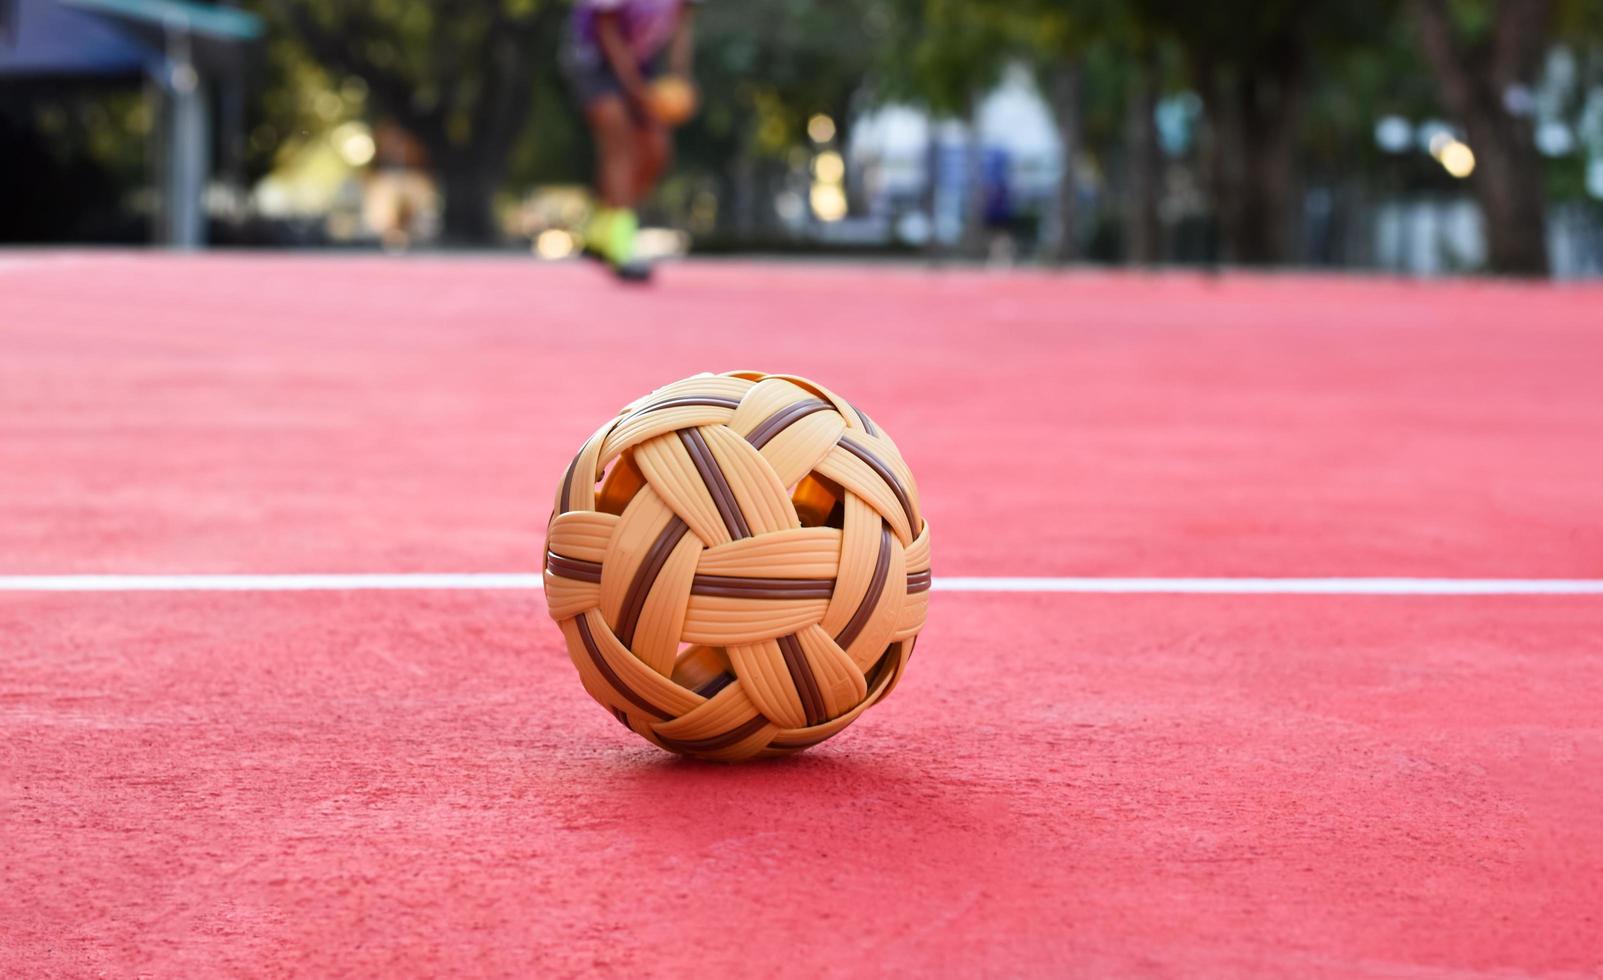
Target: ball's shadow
{"x":654,"y":795}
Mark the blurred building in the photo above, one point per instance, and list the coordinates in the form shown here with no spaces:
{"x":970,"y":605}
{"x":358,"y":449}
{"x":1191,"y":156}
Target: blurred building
{"x":915,"y":172}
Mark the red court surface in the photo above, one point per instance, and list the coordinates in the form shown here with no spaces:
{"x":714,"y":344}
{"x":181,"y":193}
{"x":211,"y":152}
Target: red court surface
{"x":414,"y":783}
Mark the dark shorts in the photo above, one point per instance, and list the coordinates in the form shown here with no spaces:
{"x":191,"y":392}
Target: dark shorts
{"x":594,"y":79}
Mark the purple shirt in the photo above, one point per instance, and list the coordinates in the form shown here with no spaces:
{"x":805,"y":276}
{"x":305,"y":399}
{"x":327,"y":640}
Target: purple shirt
{"x":647,"y":25}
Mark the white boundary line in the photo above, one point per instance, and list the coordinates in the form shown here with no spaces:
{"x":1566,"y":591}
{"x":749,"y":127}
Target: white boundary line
{"x":1281,"y":586}
{"x":477,"y":581}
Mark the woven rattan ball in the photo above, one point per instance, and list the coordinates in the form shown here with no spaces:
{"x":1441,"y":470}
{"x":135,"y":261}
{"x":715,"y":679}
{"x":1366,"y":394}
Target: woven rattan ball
{"x":739,"y":565}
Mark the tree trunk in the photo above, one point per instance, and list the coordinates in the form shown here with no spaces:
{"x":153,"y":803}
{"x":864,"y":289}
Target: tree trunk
{"x":1142,"y":232}
{"x":468,"y":187}
{"x":486,"y":87}
{"x":743,"y":179}
{"x":1474,"y":80}
{"x":1508,"y":185}
{"x":1254,"y":117}
{"x":1063,"y":241}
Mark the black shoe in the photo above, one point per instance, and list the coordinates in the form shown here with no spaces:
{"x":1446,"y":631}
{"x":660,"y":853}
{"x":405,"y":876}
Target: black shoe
{"x":634,"y":270}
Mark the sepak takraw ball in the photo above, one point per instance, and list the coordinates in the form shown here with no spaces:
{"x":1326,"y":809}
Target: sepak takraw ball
{"x":738,"y":564}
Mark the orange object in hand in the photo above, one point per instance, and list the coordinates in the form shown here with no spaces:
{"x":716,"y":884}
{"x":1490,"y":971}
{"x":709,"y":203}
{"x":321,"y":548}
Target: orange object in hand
{"x":673,"y":100}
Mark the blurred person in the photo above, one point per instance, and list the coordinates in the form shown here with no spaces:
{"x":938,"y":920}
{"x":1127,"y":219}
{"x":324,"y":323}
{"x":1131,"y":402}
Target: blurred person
{"x":400,"y":198}
{"x":629,"y":62}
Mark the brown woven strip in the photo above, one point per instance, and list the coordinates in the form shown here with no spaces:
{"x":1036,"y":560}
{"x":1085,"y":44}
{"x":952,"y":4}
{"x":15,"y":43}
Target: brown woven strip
{"x":634,"y":599}
{"x":574,"y":568}
{"x":868,"y":423}
{"x":776,"y":423}
{"x":715,"y":685}
{"x":567,"y":485}
{"x":716,"y":401}
{"x":623,"y":719}
{"x":611,"y":675}
{"x":876,"y":588}
{"x":717,"y":484}
{"x":801,"y":674}
{"x":918,"y":581}
{"x":715,"y":742}
{"x":878,"y":466}
{"x":734,"y":587}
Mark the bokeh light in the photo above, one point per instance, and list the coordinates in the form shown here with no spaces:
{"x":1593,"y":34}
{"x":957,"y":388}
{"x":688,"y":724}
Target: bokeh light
{"x":1457,"y":159}
{"x":829,"y":167}
{"x":354,"y":142}
{"x":554,"y":243}
{"x":829,"y":202}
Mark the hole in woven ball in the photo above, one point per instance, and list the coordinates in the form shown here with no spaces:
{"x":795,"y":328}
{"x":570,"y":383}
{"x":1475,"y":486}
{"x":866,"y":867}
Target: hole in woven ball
{"x":819,"y":501}
{"x":619,"y":483}
{"x":703,"y":669}
{"x":886,"y":661}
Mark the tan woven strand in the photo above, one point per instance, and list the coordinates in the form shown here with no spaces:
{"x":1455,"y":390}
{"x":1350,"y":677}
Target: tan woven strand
{"x":739,"y":563}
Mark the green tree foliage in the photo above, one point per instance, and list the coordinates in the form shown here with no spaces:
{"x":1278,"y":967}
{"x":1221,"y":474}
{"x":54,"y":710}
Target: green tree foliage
{"x":68,"y":155}
{"x":459,"y":77}
{"x":1290,"y":91}
{"x":1255,"y":63}
{"x":1289,"y":88}
{"x":950,"y":51}
{"x":764,"y":68}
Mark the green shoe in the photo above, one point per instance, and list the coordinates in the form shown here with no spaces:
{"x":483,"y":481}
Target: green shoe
{"x":597,"y":234}
{"x":610,"y":237}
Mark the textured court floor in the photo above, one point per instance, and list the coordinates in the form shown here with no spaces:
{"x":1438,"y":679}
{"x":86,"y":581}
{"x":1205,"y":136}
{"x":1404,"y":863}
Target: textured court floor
{"x":413,"y":782}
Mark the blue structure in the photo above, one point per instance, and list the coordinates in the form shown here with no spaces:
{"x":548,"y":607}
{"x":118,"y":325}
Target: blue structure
{"x":186,"y":50}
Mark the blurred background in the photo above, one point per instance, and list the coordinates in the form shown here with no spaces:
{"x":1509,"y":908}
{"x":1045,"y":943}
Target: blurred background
{"x":1422,"y":137}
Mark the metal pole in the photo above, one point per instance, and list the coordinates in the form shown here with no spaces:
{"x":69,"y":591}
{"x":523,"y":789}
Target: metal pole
{"x":188,"y":149}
